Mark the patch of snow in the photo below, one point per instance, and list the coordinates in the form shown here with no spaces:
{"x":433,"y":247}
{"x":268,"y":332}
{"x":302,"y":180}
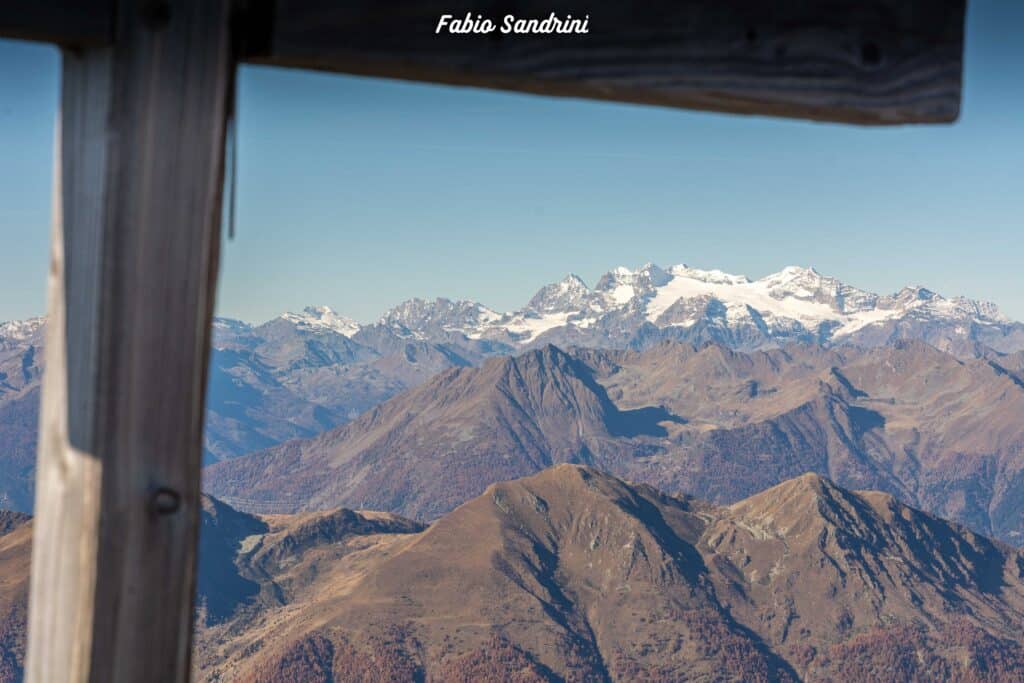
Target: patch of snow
{"x":862,"y":319}
{"x":20,"y":330}
{"x":528,"y":328}
{"x":733,"y":290}
{"x":323,"y":318}
{"x":623,"y":294}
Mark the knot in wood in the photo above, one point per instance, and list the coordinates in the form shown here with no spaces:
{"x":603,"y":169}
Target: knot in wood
{"x":165,"y":501}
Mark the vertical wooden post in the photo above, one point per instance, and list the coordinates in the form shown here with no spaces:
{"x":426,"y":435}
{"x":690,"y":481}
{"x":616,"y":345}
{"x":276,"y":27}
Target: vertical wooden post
{"x":132,"y":279}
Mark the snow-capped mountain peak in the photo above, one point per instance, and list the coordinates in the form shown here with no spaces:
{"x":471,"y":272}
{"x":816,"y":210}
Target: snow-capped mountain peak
{"x":635,"y":308}
{"x":718,"y":277}
{"x":421,"y":318}
{"x":567,"y":295}
{"x":20,"y":330}
{"x":323,"y":318}
{"x":795,"y":304}
{"x":638,"y":307}
{"x":807,"y":284}
{"x":621,"y":285}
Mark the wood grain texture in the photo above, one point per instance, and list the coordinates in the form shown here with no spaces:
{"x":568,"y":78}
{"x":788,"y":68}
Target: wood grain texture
{"x":857,"y":61}
{"x":67,"y":513}
{"x":70,"y":23}
{"x":131,"y":293}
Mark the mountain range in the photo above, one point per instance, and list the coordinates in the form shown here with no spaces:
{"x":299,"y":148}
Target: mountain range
{"x":575,"y":575}
{"x":676,"y":475}
{"x":301,"y":374}
{"x":637,"y":308}
{"x":941,"y":433}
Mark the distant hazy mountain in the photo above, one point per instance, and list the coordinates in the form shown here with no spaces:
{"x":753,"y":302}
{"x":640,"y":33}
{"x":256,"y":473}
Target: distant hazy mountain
{"x":292,"y":377}
{"x":941,"y":433}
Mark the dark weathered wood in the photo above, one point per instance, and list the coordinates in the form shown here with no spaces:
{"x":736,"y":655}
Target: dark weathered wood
{"x":71,"y":23}
{"x":858,"y":61}
{"x":131,"y":290}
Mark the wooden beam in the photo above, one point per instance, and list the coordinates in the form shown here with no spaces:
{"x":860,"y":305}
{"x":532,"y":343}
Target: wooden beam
{"x":132,"y":280}
{"x":856,"y":61}
{"x":70,"y":23}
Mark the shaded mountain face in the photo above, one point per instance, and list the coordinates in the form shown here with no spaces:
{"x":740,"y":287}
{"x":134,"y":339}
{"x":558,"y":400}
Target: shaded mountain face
{"x":299,"y":374}
{"x":238,"y":554}
{"x":222,"y":588}
{"x":443,"y":442}
{"x":571,"y":574}
{"x":942,"y":433}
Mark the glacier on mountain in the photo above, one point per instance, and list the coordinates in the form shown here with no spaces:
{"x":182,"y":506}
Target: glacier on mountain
{"x":628,"y":308}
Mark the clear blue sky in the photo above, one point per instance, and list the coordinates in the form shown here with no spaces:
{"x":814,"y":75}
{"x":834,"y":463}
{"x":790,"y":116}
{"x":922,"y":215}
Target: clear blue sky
{"x":359,"y":193}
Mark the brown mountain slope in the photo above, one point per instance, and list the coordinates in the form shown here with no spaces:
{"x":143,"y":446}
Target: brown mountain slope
{"x":246,"y":565}
{"x":15,"y":557}
{"x":239,"y":553}
{"x":574,"y":575}
{"x":443,"y":442}
{"x":944,"y":434}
